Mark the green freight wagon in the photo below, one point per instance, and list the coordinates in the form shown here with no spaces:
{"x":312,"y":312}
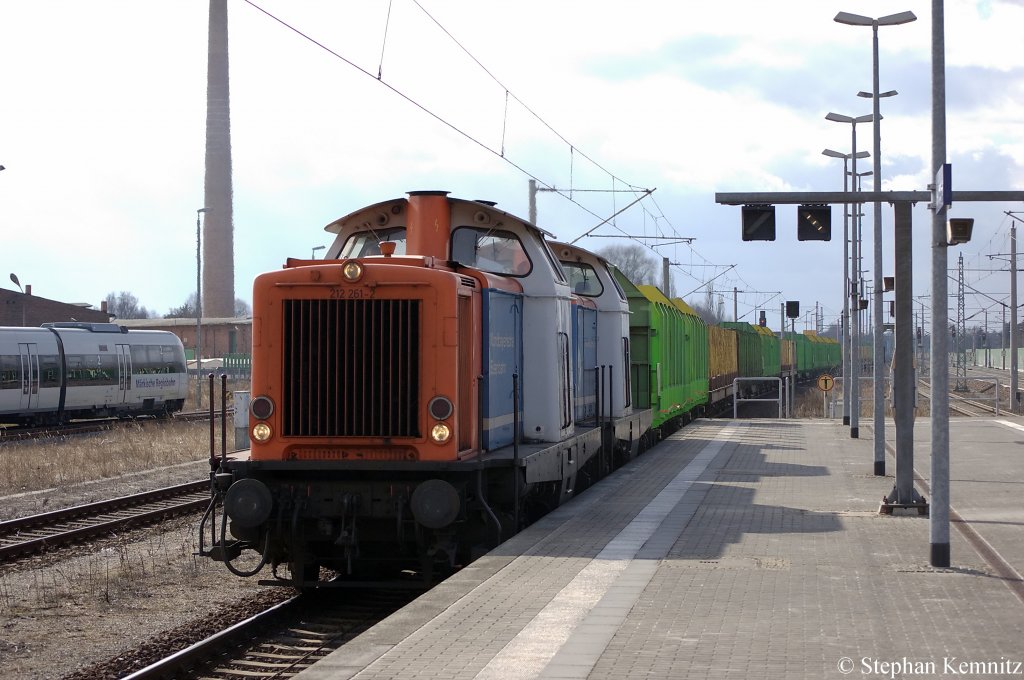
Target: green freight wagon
{"x":660,"y":369}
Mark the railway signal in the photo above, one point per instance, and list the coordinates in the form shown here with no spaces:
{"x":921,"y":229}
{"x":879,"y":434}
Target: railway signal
{"x":759,"y":223}
{"x":814,"y":222}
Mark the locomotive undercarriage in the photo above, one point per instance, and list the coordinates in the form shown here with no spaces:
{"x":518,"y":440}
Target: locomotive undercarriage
{"x":362,"y":525}
{"x":374,"y":520}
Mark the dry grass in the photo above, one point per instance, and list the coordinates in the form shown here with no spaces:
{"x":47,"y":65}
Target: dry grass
{"x":123,"y":570}
{"x":810,"y":404}
{"x":127,"y":448}
{"x":191,"y":404}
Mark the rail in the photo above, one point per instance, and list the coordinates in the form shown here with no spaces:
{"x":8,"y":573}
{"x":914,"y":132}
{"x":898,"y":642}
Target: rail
{"x":35,"y":533}
{"x":281,"y":641}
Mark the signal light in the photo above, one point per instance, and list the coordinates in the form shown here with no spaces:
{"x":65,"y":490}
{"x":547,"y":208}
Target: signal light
{"x":759,"y":223}
{"x":814,"y":223}
{"x":792,"y":309}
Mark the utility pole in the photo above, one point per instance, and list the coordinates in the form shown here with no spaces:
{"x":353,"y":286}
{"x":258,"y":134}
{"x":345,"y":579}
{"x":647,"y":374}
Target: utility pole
{"x":1014,"y":401}
{"x":938,"y":520}
{"x":961,"y":331}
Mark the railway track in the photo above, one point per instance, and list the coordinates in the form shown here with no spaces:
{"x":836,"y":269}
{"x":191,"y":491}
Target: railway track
{"x":16,"y":434}
{"x":961,"y":405}
{"x":50,"y":530}
{"x":283,"y":640}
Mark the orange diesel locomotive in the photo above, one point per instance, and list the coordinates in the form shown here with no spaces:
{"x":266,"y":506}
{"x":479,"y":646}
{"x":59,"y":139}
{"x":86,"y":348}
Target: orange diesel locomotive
{"x":389,"y":380}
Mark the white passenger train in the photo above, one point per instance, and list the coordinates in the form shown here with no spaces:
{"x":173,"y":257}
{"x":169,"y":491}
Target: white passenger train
{"x":65,"y":371}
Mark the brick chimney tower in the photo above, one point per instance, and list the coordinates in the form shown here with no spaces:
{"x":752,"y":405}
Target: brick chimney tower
{"x":218,"y":238}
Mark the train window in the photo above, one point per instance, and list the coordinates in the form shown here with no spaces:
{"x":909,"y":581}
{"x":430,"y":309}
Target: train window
{"x":172,"y":359}
{"x":583,"y":279}
{"x":49,"y":370}
{"x":554,"y":262}
{"x":148,"y":359}
{"x":10,"y":372}
{"x":367,"y":243}
{"x":618,"y":288}
{"x":89,"y":370}
{"x":491,"y":250}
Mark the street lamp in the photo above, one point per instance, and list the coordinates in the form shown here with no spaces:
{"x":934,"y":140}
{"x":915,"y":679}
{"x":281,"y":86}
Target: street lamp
{"x":199,"y":309}
{"x":312,"y":255}
{"x":845,"y":319}
{"x":857,"y":182}
{"x":14,"y":280}
{"x":878,"y":370}
{"x":853,"y":381}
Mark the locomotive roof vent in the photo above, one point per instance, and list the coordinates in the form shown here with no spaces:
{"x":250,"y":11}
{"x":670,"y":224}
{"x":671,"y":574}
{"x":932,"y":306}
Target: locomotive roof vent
{"x":489,"y":204}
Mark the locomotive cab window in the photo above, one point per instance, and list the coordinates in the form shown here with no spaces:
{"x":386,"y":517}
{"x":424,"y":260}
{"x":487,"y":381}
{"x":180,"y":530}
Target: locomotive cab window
{"x":491,"y":250}
{"x":618,"y":289}
{"x":555,"y":268}
{"x":583,"y":279}
{"x":367,"y":243}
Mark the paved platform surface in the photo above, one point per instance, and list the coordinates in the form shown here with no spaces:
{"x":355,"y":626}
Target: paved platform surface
{"x":747,"y":549}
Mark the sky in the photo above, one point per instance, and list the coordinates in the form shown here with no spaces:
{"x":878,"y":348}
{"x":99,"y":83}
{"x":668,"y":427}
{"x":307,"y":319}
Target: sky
{"x":102,"y":132}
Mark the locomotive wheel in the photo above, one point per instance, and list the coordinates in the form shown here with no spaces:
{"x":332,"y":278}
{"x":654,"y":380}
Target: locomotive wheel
{"x":305,"y":574}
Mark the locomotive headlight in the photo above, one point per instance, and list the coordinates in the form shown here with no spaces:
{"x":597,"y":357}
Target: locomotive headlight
{"x":440,"y":408}
{"x":352,"y":271}
{"x":261,"y":432}
{"x":261,"y":407}
{"x":440,"y":433}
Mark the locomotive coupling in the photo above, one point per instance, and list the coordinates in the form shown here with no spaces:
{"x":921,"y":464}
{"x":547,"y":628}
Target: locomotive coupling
{"x":248,"y":503}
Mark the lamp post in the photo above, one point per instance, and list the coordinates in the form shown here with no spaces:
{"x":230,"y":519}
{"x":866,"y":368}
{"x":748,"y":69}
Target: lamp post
{"x":878,"y":370}
{"x":854,"y":293}
{"x":858,"y":180}
{"x":199,"y":309}
{"x":312,"y":255}
{"x":14,"y":280}
{"x":845,"y":318}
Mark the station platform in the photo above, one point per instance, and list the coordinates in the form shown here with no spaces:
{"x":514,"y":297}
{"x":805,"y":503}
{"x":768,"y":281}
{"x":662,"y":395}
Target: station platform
{"x":735,"y":549}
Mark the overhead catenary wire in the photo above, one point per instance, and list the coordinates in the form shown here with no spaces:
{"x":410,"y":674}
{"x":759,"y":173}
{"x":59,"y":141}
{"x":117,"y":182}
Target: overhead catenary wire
{"x":501,"y":152}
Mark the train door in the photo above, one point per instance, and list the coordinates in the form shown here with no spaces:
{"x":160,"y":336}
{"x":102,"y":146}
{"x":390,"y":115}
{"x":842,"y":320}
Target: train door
{"x":124,"y":373}
{"x":29,"y":375}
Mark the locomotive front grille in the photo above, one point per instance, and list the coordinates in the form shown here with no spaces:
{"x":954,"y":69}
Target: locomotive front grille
{"x":351,"y":368}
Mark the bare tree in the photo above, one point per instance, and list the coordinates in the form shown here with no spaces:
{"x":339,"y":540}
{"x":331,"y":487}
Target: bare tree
{"x":242,"y":309}
{"x":707,"y":314}
{"x":124,"y":305}
{"x":632,"y":260}
{"x":187,"y":310}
